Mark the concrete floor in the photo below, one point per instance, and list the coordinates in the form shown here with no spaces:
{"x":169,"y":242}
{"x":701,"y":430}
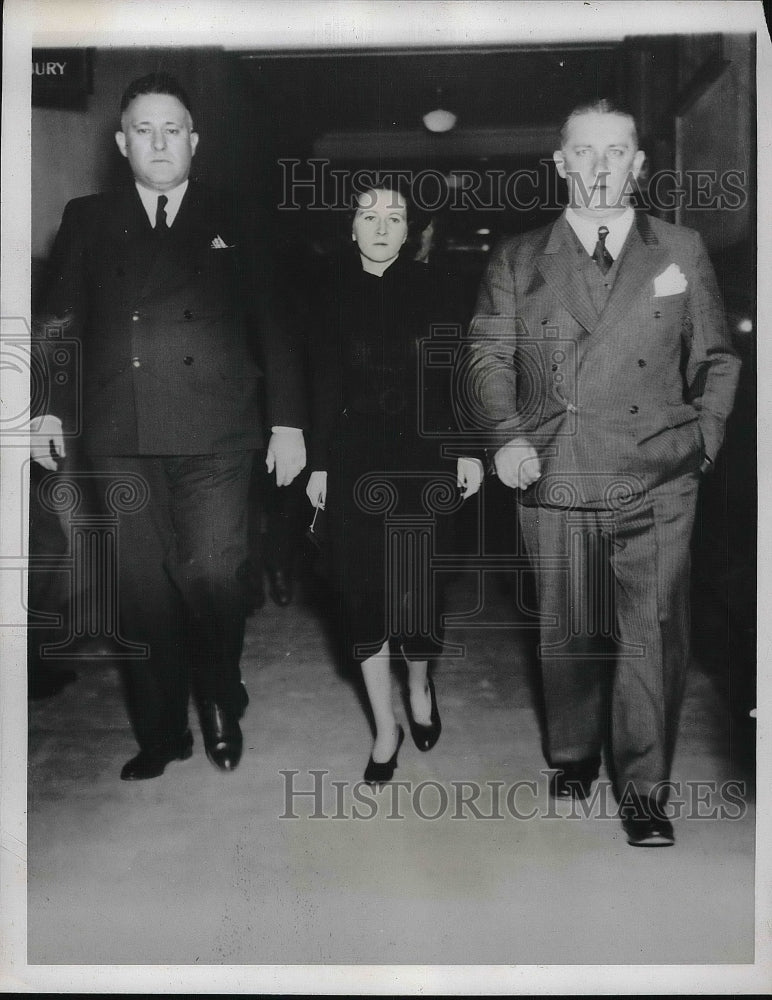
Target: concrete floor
{"x":199,"y":867}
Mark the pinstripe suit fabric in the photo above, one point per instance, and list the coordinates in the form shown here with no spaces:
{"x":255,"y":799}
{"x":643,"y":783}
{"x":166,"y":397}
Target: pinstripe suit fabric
{"x":622,"y":402}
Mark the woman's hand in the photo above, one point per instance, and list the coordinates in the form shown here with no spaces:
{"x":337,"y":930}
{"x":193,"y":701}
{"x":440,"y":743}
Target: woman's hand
{"x":316,"y":491}
{"x":469,"y":475}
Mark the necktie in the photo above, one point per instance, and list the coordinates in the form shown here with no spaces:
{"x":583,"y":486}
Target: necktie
{"x":160,"y":214}
{"x":600,"y":254}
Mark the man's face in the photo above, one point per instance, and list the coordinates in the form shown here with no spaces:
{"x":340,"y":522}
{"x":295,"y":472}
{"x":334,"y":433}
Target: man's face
{"x":158,"y":140}
{"x":600,"y":160}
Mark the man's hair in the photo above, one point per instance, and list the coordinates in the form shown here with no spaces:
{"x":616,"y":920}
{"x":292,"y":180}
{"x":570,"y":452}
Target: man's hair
{"x":602,"y":107}
{"x":155,"y":83}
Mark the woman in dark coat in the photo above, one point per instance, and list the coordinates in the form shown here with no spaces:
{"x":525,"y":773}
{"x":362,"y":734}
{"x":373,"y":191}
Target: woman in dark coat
{"x":377,"y":471}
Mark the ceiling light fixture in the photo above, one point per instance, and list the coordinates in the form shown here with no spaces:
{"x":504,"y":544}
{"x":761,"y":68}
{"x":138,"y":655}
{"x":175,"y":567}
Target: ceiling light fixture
{"x":439,"y":120}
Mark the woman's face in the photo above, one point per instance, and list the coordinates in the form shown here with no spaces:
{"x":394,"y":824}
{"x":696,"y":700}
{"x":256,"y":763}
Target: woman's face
{"x":380,"y":227}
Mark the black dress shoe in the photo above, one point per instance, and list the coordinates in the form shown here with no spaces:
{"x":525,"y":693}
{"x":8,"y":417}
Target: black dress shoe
{"x":280,"y":587}
{"x":651,"y":831}
{"x":646,"y":824}
{"x":151,"y":763}
{"x":223,"y":741}
{"x":573,"y":779}
{"x":425,"y":737}
{"x":375,"y":772}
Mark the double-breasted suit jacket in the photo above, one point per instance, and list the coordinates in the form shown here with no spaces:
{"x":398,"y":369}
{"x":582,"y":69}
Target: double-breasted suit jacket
{"x":171,"y":333}
{"x":639,"y":389}
{"x":622,"y":382}
{"x":166,"y":323}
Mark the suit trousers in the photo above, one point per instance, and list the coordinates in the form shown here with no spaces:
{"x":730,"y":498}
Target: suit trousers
{"x":613,"y":592}
{"x":48,"y":594}
{"x":278,"y":518}
{"x":181,"y":572}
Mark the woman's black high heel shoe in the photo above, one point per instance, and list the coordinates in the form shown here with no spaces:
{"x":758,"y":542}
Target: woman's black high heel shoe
{"x":376,"y":773}
{"x":425,"y":737}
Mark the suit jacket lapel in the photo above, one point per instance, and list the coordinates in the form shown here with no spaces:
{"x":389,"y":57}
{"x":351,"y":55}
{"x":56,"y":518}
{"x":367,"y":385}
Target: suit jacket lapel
{"x":643,"y":258}
{"x":130,"y":231}
{"x":171,"y":253}
{"x":559,"y":266}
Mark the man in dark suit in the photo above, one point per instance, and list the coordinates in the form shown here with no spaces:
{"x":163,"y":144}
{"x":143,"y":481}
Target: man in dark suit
{"x":159,"y":282}
{"x":601,"y":364}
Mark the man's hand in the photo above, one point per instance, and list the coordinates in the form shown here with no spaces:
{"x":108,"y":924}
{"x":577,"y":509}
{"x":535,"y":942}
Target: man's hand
{"x":46,"y":436}
{"x":316,"y":491}
{"x":286,"y":453}
{"x":517,"y":464}
{"x":469,"y":475}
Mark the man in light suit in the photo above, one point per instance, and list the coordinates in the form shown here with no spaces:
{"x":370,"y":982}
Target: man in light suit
{"x":601,"y":365}
{"x":158,"y":280}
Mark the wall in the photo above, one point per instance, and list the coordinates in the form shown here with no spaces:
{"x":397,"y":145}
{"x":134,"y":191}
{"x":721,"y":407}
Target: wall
{"x":74,"y":152}
{"x":717,"y":133}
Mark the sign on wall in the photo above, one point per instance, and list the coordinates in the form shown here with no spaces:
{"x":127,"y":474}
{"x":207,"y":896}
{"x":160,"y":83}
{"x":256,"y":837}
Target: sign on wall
{"x":61,"y":78}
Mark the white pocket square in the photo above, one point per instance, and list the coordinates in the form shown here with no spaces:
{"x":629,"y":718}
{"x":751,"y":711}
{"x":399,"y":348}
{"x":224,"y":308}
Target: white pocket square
{"x":672,"y":281}
{"x":218,"y":243}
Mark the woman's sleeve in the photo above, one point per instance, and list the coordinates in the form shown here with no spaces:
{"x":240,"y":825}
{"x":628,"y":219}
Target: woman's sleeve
{"x":324,"y":353}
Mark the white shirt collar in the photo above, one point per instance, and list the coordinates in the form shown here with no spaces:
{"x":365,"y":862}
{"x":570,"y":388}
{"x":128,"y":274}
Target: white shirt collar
{"x":587,"y":230}
{"x":150,"y":201}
